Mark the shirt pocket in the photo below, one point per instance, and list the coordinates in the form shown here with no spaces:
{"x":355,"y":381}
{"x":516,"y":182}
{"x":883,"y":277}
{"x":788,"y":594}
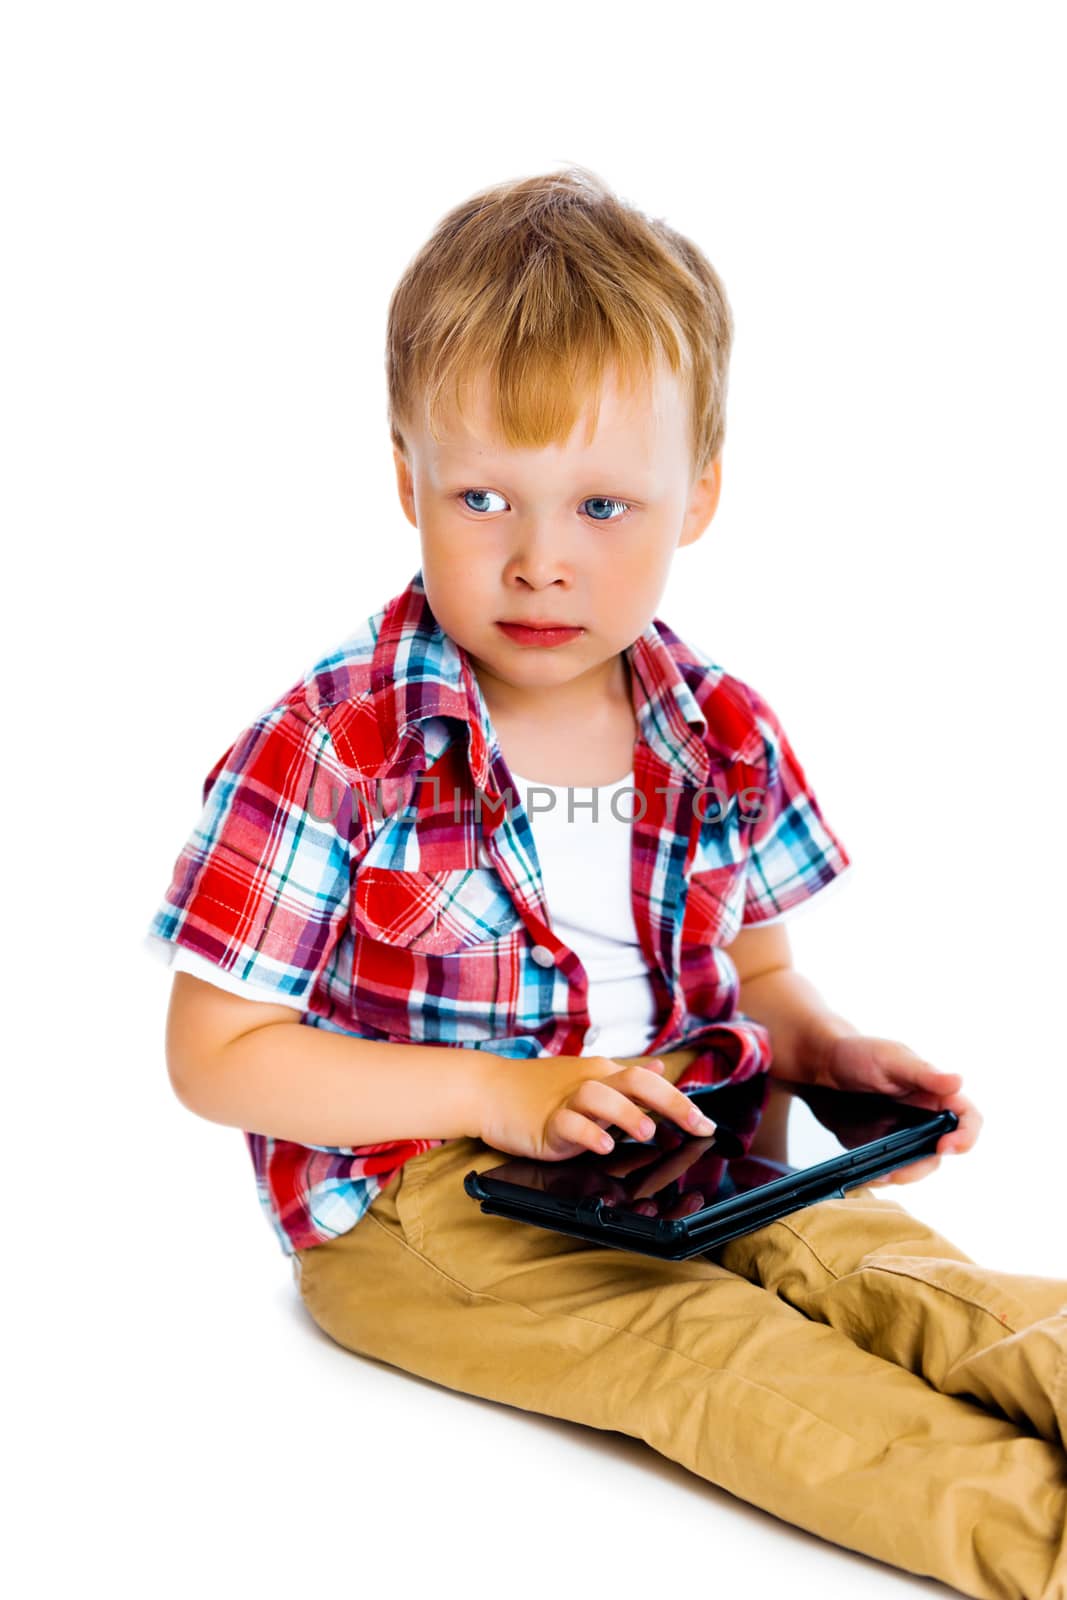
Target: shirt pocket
{"x":438,"y":913}
{"x":715,"y":905}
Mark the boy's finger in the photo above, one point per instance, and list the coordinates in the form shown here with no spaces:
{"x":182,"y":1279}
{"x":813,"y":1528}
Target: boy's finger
{"x":928,"y":1079}
{"x":913,"y":1171}
{"x":963,"y":1136}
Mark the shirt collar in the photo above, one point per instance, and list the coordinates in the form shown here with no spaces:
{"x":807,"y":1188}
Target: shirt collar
{"x":418,"y":671}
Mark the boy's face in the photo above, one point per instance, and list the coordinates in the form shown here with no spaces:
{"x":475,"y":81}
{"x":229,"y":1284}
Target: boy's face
{"x":579,"y":534}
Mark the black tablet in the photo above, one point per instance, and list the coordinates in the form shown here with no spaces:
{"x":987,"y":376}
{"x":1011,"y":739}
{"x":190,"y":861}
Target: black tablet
{"x":676,"y":1194}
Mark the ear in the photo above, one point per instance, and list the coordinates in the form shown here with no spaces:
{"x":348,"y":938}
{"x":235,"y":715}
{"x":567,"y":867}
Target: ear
{"x":405,"y":485}
{"x":703,"y":501}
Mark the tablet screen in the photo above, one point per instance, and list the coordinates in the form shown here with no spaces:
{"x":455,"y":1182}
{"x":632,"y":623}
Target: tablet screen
{"x":674,"y":1174}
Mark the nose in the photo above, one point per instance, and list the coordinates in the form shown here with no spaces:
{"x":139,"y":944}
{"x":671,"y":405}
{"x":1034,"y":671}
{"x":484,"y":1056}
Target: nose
{"x":540,"y":557}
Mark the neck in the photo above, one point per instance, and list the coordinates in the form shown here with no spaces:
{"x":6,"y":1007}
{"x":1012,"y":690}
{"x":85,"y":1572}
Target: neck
{"x":604,"y":691}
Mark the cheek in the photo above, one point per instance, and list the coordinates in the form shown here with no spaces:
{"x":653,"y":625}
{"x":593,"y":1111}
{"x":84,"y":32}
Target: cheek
{"x":448,"y":570}
{"x":636,"y":574}
{"x":458,"y":595}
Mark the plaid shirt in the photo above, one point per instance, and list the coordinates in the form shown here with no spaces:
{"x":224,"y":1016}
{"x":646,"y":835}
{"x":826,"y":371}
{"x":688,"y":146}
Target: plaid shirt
{"x":363,"y":851}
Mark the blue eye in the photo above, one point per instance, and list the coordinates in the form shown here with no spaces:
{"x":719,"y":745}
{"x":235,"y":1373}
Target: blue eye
{"x":598,"y":500}
{"x":467,"y":495}
{"x":477,"y":494}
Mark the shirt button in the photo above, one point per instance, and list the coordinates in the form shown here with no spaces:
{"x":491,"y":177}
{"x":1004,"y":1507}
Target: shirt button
{"x":543,"y":955}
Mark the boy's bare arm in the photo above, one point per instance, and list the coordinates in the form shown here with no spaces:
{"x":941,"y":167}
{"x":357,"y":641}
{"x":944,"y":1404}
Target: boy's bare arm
{"x":800,"y":1024}
{"x":253,"y":1065}
{"x":811,"y":1044}
{"x":249,"y":1064}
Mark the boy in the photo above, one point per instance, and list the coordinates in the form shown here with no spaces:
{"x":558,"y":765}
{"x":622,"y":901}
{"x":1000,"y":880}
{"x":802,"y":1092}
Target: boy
{"x":372,"y":877}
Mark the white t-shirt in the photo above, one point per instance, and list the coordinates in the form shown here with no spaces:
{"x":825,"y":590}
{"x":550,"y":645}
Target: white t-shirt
{"x":583,"y":840}
{"x":582,"y":836}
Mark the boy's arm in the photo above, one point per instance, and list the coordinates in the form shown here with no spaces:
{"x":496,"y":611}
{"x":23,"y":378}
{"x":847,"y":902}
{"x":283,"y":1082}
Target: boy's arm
{"x":803,"y":1032}
{"x":252,"y":1065}
{"x":800,"y":1024}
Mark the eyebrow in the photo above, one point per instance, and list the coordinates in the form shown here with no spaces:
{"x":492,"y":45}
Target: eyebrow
{"x":619,"y":485}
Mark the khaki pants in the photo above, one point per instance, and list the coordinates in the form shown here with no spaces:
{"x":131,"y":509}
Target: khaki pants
{"x":845,"y":1368}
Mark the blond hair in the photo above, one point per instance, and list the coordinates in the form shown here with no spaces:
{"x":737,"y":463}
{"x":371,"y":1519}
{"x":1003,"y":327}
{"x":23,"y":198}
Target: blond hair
{"x":541,"y":284}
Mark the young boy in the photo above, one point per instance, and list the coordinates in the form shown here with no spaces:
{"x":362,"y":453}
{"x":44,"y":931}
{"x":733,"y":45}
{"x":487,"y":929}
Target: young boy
{"x":394,"y":960}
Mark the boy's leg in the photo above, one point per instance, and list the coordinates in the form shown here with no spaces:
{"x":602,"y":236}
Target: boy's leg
{"x":897,"y":1288}
{"x":710,"y":1369}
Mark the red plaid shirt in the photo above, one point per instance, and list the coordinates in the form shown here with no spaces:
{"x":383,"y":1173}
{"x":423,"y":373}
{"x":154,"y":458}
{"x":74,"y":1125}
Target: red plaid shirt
{"x":363,"y":851}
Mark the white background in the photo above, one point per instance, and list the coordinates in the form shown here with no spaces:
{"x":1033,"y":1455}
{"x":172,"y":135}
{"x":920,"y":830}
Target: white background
{"x":207,"y":207}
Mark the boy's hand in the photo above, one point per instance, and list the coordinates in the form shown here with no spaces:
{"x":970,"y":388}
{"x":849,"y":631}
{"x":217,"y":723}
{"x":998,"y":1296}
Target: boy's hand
{"x":555,"y":1107}
{"x":883,"y":1066}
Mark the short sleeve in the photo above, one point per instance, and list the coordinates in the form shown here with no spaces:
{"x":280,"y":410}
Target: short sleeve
{"x":792,"y":851}
{"x":184,"y":960}
{"x":262,"y":885}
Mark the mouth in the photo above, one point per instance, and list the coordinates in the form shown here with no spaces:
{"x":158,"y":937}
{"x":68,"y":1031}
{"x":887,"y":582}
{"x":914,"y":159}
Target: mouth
{"x":540,"y":632}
